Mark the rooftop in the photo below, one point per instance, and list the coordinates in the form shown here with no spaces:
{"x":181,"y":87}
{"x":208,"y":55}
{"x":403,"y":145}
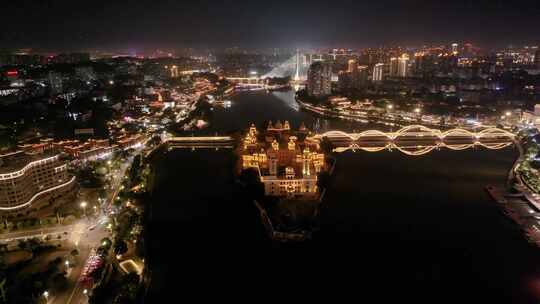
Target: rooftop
{"x":17,"y":160}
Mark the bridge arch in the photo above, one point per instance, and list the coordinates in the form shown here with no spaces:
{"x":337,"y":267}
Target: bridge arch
{"x":416,"y":151}
{"x":337,"y":134}
{"x":459,"y":147}
{"x":495,"y":146}
{"x":406,"y":130}
{"x":457,"y":132}
{"x":494,"y":132}
{"x":372,"y":133}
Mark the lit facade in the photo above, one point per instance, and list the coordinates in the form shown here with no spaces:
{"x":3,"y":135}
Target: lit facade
{"x":455,"y":48}
{"x":28,"y":180}
{"x":288,"y":166}
{"x":90,"y":150}
{"x":378,"y":72}
{"x":403,"y":66}
{"x":394,"y":64}
{"x":532,"y":118}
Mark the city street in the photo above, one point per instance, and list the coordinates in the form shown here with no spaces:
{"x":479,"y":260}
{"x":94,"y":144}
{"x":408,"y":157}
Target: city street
{"x":87,"y":241}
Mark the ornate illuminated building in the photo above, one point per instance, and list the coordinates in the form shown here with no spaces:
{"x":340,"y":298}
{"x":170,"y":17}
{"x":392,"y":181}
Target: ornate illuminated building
{"x":287,"y":162}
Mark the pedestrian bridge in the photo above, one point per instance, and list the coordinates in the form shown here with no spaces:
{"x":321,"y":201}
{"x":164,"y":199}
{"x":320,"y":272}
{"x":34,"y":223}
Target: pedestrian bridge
{"x":247,"y":81}
{"x":201,"y":142}
{"x":417,"y":140}
{"x":418,"y":132}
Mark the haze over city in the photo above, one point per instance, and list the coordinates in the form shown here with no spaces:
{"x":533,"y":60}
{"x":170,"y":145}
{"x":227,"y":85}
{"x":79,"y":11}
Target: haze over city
{"x":140,"y":25}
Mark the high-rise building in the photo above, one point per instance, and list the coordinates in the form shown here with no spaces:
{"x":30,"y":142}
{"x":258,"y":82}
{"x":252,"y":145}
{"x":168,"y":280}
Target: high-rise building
{"x":454,"y":48}
{"x":361,"y":76}
{"x":344,"y":80}
{"x":55,"y":82}
{"x":319,"y":82}
{"x":403,"y":66}
{"x":394,"y":64}
{"x":468,"y":50}
{"x":354,"y":78}
{"x":378,"y":72}
{"x":85,"y":73}
{"x":352,"y":66}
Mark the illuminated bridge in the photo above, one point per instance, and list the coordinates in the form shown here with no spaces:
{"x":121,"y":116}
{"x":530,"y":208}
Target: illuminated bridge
{"x":201,"y":142}
{"x":293,"y":67}
{"x":417,"y":140}
{"x":412,"y":140}
{"x":247,"y":81}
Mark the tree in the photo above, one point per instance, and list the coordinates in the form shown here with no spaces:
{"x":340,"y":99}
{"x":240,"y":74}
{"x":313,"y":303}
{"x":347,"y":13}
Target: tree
{"x":33,"y":244}
{"x":120,"y":247}
{"x":129,"y":290}
{"x":70,"y":219}
{"x":106,"y":243}
{"x":22,"y":244}
{"x":326,"y":145}
{"x":59,"y":282}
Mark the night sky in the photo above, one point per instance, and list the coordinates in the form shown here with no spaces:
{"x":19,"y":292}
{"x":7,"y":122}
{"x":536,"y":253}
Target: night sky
{"x":63,"y":24}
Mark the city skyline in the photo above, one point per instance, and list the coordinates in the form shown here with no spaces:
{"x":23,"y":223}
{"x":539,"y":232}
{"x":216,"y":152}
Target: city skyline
{"x":157,"y":151}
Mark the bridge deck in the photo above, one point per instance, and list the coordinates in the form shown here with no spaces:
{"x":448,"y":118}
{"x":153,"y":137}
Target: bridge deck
{"x":200,"y":139}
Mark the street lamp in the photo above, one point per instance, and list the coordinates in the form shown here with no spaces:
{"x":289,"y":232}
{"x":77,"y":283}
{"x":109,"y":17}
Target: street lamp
{"x":46,"y":294}
{"x":83,"y":206}
{"x":389,"y":107}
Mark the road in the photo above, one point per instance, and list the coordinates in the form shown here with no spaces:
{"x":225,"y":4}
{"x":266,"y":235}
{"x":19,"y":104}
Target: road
{"x":88,"y":240}
{"x":6,"y":237}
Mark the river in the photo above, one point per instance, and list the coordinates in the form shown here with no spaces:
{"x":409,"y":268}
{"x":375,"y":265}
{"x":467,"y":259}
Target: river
{"x":392,"y":226}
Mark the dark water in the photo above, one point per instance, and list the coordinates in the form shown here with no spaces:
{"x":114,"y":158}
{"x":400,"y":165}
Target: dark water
{"x":394,"y":227}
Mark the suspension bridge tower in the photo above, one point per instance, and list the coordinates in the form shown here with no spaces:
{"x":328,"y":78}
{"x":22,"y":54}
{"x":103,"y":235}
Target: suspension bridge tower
{"x":297,"y":70}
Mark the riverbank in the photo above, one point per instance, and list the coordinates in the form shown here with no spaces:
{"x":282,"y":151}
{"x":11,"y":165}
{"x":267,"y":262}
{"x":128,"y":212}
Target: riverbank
{"x":520,"y":202}
{"x":387,"y":117}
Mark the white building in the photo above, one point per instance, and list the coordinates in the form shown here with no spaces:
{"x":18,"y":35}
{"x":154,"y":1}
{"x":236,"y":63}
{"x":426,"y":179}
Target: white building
{"x":378,"y":72}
